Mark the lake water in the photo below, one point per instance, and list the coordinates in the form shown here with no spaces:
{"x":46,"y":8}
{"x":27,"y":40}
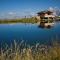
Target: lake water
{"x":30,"y":33}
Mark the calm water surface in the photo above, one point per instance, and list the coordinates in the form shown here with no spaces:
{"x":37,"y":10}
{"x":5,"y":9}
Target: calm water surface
{"x":30,"y":33}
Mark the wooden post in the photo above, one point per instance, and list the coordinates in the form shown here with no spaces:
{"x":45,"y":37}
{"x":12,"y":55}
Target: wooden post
{"x":48,"y":19}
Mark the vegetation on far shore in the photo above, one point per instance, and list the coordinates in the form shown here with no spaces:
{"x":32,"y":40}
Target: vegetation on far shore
{"x":22,"y":20}
{"x":26,"y":52}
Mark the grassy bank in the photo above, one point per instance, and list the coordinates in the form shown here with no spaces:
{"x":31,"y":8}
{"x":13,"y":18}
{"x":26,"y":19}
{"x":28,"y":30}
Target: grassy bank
{"x":25,"y":52}
{"x":23,"y":20}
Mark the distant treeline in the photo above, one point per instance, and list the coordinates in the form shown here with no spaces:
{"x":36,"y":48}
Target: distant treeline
{"x":22,"y":20}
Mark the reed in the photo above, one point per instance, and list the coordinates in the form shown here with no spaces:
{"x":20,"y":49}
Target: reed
{"x":23,"y":51}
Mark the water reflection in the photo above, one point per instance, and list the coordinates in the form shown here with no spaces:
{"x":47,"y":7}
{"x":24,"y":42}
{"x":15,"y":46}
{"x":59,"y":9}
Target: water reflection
{"x":30,"y":33}
{"x":42,"y":26}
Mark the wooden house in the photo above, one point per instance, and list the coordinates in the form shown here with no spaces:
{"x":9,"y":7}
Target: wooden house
{"x":46,"y":17}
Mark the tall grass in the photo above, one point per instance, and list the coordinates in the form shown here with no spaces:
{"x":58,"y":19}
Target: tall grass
{"x":26,"y":52}
{"x":22,"y":20}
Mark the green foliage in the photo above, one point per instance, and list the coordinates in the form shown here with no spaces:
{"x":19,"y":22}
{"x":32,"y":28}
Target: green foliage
{"x":23,"y":20}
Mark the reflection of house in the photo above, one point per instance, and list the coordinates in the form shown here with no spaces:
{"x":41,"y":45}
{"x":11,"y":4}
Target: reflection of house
{"x":46,"y":18}
{"x":45,"y":15}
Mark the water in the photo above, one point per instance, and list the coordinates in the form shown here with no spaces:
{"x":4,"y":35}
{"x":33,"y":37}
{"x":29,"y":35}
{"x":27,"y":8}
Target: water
{"x":30,"y":33}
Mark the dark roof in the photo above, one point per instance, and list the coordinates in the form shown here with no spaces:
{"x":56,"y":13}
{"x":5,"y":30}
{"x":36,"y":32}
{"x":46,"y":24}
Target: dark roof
{"x":43,"y":12}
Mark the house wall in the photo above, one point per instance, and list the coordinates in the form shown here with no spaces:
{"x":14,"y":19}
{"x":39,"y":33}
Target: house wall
{"x":38,"y":17}
{"x":42,"y":16}
{"x":46,"y":15}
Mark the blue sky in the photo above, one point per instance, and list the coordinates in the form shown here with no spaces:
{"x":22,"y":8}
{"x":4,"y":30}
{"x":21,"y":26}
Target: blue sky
{"x":20,"y":8}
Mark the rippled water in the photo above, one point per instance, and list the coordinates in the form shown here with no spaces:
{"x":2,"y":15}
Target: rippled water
{"x":30,"y":33}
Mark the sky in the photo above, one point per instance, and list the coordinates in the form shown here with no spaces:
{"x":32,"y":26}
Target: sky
{"x":21,"y":8}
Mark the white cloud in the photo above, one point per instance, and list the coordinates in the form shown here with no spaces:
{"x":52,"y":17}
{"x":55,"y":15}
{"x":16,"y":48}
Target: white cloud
{"x":29,"y":12}
{"x":12,"y":13}
{"x":18,"y":14}
{"x":51,"y":8}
